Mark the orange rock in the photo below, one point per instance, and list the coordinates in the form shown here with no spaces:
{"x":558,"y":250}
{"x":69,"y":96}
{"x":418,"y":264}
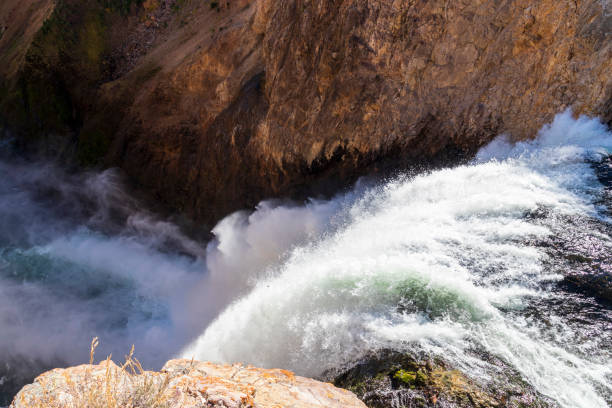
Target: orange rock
{"x":183,"y":383}
{"x":225,"y":107}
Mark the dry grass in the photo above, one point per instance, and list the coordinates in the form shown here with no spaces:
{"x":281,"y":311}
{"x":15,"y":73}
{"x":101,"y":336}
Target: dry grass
{"x":125,"y":386}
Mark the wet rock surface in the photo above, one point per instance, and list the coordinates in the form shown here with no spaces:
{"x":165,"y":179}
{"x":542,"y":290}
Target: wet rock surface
{"x":392,"y":379}
{"x":584,"y":260}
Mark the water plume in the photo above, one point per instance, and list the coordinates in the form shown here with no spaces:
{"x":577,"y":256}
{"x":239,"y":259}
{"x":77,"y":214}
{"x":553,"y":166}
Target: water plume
{"x":442,"y":263}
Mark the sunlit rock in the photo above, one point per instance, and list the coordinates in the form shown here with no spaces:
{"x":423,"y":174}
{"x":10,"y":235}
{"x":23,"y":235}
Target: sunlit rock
{"x":181,"y":383}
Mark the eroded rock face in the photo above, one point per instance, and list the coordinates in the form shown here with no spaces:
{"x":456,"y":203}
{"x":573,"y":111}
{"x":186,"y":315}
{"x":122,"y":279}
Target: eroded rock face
{"x":214,"y":108}
{"x":182,"y":383}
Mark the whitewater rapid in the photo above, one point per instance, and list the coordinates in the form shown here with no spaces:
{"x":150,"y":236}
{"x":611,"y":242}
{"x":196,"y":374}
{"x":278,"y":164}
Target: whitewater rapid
{"x":457,"y":263}
{"x":442,"y":263}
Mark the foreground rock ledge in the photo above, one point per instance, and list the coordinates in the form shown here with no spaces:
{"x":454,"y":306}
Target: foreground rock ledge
{"x":181,"y":383}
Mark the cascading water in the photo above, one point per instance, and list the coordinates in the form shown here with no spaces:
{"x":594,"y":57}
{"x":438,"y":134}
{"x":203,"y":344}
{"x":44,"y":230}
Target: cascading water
{"x":488,"y":258}
{"x":444,"y":262}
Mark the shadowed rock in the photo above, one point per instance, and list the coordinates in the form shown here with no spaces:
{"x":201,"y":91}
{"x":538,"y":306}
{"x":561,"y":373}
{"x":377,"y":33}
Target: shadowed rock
{"x":214,"y":108}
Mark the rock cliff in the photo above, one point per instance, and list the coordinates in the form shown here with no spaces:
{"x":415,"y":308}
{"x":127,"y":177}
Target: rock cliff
{"x":214,"y":105}
{"x":181,"y":383}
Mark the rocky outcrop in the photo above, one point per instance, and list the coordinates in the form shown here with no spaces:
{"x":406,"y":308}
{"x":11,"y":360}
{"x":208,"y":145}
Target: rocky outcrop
{"x":181,"y":383}
{"x":213,"y":106}
{"x":390,"y":378}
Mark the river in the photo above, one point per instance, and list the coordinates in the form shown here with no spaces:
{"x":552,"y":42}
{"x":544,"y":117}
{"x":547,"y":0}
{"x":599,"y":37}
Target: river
{"x":509,"y":255}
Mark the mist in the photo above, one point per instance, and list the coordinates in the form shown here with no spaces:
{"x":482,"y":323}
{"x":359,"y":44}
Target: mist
{"x":434,"y":260}
{"x":82,"y":258}
{"x":444,"y":264}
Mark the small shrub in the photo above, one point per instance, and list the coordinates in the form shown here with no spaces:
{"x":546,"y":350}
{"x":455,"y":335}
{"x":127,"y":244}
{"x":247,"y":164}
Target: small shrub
{"x":125,"y":386}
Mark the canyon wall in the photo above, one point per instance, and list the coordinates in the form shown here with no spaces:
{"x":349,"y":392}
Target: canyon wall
{"x":214,"y":105}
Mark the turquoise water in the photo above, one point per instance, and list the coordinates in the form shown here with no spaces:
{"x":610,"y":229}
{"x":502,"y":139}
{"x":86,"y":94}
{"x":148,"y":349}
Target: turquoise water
{"x":478,"y":257}
{"x":445,"y":263}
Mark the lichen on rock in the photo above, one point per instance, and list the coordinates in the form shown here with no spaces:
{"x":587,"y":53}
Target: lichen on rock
{"x":390,"y":378}
{"x":181,"y":383}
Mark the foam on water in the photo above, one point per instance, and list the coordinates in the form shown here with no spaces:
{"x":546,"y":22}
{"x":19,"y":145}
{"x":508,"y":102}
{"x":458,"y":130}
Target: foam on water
{"x":435,"y":262}
{"x":444,"y":263}
{"x":81,"y":258}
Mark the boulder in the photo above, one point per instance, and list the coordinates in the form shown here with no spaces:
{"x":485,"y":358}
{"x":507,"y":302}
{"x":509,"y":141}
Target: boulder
{"x":181,"y":383}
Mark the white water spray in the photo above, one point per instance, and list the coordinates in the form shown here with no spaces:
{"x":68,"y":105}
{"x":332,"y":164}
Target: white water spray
{"x":441,"y":263}
{"x":430,"y":262}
